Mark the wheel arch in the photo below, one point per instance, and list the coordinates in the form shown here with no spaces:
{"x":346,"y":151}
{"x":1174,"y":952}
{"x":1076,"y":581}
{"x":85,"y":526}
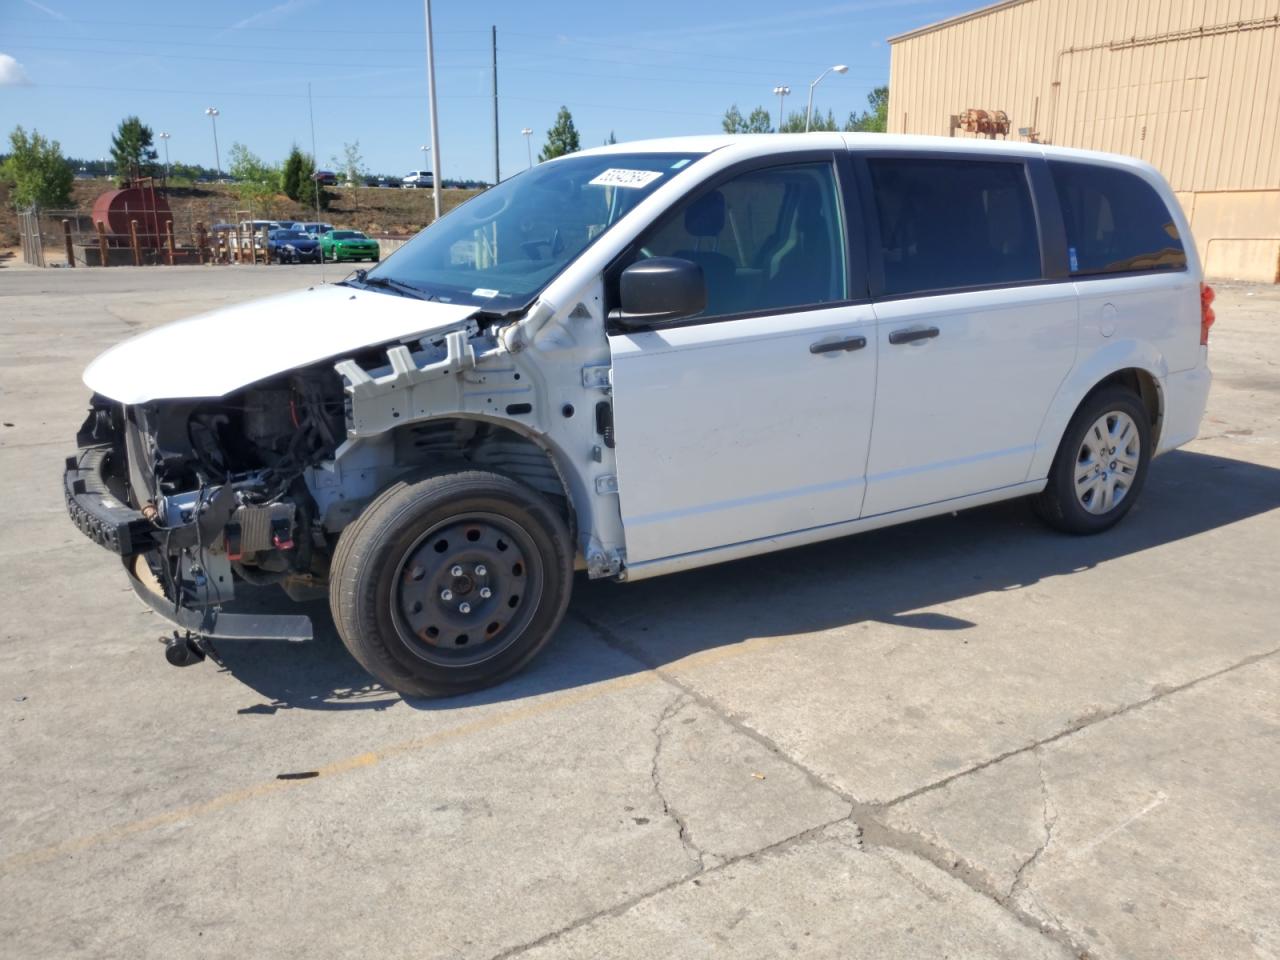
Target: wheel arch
{"x":1130,"y":363}
{"x":499,"y":444}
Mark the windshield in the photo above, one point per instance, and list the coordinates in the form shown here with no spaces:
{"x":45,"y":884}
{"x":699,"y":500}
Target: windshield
{"x":291,"y":235}
{"x":500,"y":248}
{"x":347,"y":235}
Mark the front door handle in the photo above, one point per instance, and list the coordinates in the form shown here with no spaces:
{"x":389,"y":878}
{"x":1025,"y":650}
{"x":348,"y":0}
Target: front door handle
{"x":913,"y":334}
{"x":835,"y":346}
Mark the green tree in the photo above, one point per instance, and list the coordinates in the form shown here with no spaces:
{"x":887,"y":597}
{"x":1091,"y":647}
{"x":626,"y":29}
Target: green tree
{"x":308,"y":188}
{"x":292,"y":179}
{"x":257,"y":182}
{"x":795,"y":122}
{"x":732,"y":121}
{"x":758,"y":121}
{"x":37,"y":170}
{"x":876,"y":120}
{"x":132,"y":149}
{"x":562,"y":138}
{"x":612,"y":140}
{"x":351,"y":164}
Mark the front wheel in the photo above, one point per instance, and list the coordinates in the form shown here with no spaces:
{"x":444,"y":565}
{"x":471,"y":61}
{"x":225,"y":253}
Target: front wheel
{"x":1100,"y":466}
{"x":452,"y":582}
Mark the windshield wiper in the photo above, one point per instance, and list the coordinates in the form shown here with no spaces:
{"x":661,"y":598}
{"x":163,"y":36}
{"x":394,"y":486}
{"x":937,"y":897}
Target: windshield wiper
{"x":407,"y":289}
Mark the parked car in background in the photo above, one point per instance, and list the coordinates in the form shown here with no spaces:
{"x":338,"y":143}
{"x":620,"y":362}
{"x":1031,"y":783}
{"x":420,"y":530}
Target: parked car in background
{"x":677,"y":353}
{"x":315,"y":228}
{"x":348,"y":245}
{"x":326,"y":178}
{"x":293,"y":246}
{"x":417,"y":178}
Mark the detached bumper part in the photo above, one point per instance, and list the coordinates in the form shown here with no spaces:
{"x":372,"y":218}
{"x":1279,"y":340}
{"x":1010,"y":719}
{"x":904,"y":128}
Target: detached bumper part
{"x":95,"y":510}
{"x":117,"y":527}
{"x":216,"y":624}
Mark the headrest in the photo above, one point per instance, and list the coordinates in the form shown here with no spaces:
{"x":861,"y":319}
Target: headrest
{"x":705,"y":216}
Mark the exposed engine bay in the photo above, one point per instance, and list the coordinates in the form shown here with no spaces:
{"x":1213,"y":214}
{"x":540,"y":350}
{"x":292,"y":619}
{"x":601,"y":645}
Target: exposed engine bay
{"x":221,"y":482}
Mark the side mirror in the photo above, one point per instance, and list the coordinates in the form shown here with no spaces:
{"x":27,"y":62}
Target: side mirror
{"x":659,"y":290}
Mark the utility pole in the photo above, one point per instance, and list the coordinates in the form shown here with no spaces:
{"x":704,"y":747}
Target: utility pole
{"x":497,"y":172}
{"x":435,"y":121}
{"x":781,"y":91}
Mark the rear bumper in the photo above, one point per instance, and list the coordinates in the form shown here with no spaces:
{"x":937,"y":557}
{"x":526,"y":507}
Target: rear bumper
{"x":1186,"y":394}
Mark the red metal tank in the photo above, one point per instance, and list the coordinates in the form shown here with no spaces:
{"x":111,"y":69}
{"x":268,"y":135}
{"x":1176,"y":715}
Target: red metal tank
{"x":139,"y":201}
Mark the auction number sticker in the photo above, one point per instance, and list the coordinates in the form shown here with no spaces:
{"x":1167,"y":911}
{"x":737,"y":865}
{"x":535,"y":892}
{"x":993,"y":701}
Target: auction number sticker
{"x":634,"y":179}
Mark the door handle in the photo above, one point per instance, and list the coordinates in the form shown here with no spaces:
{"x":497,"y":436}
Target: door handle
{"x":913,"y":334}
{"x":834,"y":346}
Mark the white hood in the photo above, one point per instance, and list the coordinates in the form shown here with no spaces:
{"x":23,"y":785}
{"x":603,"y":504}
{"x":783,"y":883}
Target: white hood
{"x":214,"y":353}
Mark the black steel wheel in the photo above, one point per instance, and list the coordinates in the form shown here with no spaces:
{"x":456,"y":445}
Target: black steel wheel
{"x":451,"y":582}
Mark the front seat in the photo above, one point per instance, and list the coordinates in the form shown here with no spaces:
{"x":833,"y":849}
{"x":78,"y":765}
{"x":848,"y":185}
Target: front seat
{"x":704,"y":220}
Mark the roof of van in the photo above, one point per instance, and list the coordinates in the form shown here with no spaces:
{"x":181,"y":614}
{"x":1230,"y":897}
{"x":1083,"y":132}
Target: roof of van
{"x":762,"y":144}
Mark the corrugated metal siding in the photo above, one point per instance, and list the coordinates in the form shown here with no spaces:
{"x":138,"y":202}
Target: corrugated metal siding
{"x":1193,"y":86}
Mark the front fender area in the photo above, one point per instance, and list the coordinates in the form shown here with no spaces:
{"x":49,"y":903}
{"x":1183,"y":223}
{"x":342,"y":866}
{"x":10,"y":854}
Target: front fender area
{"x":470,"y":397}
{"x":1101,"y":364}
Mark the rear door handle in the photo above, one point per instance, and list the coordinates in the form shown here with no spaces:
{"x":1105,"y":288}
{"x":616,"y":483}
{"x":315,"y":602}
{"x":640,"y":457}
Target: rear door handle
{"x":835,"y":346}
{"x":912,"y":334}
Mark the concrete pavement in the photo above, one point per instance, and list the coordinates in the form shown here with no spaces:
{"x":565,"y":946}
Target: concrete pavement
{"x":966,"y":737}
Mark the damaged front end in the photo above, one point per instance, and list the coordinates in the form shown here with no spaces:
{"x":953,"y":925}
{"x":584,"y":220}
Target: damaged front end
{"x":197,"y":495}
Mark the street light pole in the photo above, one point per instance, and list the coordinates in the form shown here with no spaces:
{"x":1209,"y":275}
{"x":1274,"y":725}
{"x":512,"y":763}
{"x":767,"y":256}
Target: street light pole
{"x":528,"y":146}
{"x":808,"y":113}
{"x":425,"y":150}
{"x":435,"y":121}
{"x":165,"y":137}
{"x":212,"y":114}
{"x":780,"y":92}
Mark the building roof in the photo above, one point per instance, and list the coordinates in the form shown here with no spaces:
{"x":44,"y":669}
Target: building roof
{"x":958,"y":18}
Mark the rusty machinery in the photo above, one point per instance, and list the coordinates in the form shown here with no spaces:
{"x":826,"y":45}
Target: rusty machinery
{"x":987,"y":123}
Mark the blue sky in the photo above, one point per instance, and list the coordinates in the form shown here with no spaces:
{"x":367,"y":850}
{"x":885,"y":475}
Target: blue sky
{"x":660,"y":68}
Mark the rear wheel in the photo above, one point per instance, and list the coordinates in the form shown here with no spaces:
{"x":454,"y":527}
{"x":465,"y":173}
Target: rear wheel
{"x":1100,"y":466}
{"x":451,"y":583}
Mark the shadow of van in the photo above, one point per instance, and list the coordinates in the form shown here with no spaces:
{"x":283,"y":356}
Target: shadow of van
{"x":881,"y":576}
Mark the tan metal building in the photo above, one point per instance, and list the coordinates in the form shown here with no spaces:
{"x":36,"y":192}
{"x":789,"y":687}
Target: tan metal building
{"x":1191,"y":86}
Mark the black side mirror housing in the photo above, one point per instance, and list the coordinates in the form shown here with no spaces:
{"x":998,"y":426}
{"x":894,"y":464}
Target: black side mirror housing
{"x":660,"y":290}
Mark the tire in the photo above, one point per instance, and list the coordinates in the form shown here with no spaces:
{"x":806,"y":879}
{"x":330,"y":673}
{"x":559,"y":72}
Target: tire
{"x":1108,"y":487}
{"x":398,"y":597}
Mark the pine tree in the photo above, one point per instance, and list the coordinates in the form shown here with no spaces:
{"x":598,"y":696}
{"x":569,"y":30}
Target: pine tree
{"x":732,"y":121}
{"x":132,"y":149}
{"x":759,"y":121}
{"x":562,"y":138}
{"x":293,"y":173}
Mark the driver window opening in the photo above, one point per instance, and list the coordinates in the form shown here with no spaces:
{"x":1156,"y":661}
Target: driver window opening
{"x":767,"y":240}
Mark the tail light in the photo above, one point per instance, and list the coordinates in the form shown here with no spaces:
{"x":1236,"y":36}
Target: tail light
{"x":1206,"y":313}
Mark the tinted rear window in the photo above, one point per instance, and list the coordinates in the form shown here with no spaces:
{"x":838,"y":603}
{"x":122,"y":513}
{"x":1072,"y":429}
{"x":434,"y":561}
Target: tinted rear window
{"x":947,"y":224}
{"x":1115,"y":221}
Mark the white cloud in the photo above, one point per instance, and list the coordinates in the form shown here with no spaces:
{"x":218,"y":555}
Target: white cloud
{"x":12,"y":73}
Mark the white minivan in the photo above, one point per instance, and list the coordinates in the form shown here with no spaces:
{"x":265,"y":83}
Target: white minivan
{"x":641,"y":359}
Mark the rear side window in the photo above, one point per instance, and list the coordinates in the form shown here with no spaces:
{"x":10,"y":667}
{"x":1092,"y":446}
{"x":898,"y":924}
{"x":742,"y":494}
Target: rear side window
{"x":1115,"y":221}
{"x":947,"y":224}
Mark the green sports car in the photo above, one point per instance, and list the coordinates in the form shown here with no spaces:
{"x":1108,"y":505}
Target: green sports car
{"x":348,"y":245}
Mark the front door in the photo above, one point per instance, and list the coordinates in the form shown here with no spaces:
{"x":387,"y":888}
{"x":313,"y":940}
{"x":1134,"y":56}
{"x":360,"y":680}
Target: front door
{"x":973,"y":343}
{"x":753,"y":419}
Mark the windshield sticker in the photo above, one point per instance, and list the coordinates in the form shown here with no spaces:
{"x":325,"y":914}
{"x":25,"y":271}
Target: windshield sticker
{"x":483,"y":292}
{"x":634,"y":179}
{"x":680,"y":163}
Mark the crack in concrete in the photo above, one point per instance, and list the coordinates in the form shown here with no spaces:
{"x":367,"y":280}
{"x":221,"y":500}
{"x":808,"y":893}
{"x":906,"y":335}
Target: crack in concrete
{"x":867,"y":816}
{"x":1083,"y":723}
{"x":621,"y":908}
{"x":1049,"y":817}
{"x":682,"y":826}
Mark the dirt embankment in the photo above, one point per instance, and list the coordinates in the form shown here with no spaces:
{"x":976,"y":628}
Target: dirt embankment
{"x":372,"y":209}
